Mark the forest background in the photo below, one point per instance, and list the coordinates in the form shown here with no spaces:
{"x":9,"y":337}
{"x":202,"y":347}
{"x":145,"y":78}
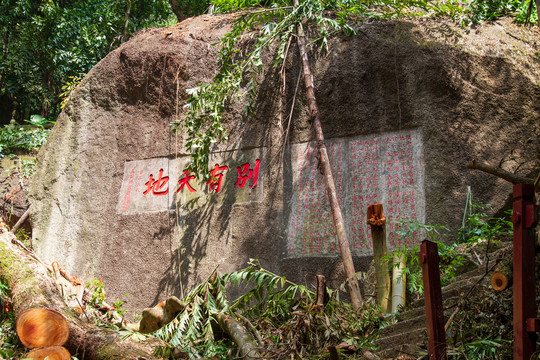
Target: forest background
{"x":46,"y":46}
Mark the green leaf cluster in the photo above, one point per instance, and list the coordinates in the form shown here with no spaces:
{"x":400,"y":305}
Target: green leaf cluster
{"x":97,"y":292}
{"x":43,"y":43}
{"x":10,"y":345}
{"x":16,"y":137}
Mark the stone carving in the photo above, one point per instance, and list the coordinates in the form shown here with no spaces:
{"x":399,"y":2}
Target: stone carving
{"x":385,"y":167}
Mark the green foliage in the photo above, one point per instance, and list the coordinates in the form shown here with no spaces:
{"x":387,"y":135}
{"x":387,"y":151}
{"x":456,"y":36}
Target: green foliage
{"x":482,"y":10}
{"x":450,"y":259}
{"x":118,"y":307}
{"x":24,"y":237}
{"x":4,"y":290}
{"x":43,"y":43}
{"x":16,"y":137}
{"x":478,"y":226}
{"x":477,"y":11}
{"x":282,"y":312}
{"x":97,"y":289}
{"x":71,"y":84}
{"x":527,"y":12}
{"x":196,"y":323}
{"x":10,"y":345}
{"x":24,"y":168}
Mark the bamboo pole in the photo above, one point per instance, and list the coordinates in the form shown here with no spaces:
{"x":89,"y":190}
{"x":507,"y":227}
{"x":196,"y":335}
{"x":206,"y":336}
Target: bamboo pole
{"x":398,"y":283}
{"x":377,"y":221}
{"x":343,"y":242}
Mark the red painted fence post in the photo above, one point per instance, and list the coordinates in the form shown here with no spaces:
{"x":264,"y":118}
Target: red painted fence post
{"x":429,"y":259}
{"x":524,"y":218}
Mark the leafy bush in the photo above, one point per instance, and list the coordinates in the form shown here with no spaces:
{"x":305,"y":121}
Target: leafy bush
{"x":450,"y":258}
{"x":478,"y":226}
{"x":478,"y":229}
{"x":482,"y":10}
{"x":16,"y":137}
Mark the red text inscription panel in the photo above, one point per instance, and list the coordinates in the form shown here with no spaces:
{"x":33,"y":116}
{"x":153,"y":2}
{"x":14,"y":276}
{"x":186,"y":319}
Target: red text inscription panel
{"x":164,"y":184}
{"x":385,"y":168}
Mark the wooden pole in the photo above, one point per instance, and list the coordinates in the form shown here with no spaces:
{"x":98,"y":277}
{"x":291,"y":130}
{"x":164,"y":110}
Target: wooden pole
{"x":343,"y":241}
{"x":377,"y":221}
{"x":429,"y":259}
{"x":525,"y":218}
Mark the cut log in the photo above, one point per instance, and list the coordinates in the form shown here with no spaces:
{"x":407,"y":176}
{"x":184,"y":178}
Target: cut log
{"x":32,"y":286}
{"x":160,"y":315}
{"x":499,"y":281}
{"x":40,"y":327}
{"x":49,"y":352}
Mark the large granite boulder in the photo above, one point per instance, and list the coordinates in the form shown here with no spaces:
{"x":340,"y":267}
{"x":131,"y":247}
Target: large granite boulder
{"x":404,"y":106}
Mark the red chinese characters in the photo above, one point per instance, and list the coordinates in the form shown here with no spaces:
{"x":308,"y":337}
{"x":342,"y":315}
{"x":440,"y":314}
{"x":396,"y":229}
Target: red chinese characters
{"x":216,"y":177}
{"x":185,"y":182}
{"x":157,"y":187}
{"x":245,"y":173}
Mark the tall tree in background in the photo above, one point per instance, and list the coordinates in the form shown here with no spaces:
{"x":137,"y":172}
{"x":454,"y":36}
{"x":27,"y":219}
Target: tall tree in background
{"x":44,"y":42}
{"x":187,"y":8}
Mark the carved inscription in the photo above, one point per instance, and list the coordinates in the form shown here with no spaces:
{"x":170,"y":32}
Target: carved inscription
{"x":165,"y":184}
{"x":384,"y":168}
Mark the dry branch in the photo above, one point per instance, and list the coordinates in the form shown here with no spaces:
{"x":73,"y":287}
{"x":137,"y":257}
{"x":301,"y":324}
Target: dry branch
{"x":503,"y":174}
{"x":21,"y":220}
{"x":32,"y":286}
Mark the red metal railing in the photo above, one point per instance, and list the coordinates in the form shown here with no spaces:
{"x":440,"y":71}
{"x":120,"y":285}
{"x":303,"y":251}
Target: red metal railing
{"x":525,"y":218}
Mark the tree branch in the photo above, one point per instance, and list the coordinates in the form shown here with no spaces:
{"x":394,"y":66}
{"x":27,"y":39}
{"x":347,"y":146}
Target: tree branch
{"x":503,"y":174}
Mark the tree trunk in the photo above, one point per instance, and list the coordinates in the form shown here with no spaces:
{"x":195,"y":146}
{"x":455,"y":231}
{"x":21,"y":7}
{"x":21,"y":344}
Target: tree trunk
{"x":32,"y":286}
{"x":377,"y":222}
{"x":178,"y":10}
{"x":343,"y":242}
{"x":126,"y":22}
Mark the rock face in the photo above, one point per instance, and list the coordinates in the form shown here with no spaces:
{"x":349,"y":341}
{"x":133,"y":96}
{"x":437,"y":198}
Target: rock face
{"x":404,"y":106}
